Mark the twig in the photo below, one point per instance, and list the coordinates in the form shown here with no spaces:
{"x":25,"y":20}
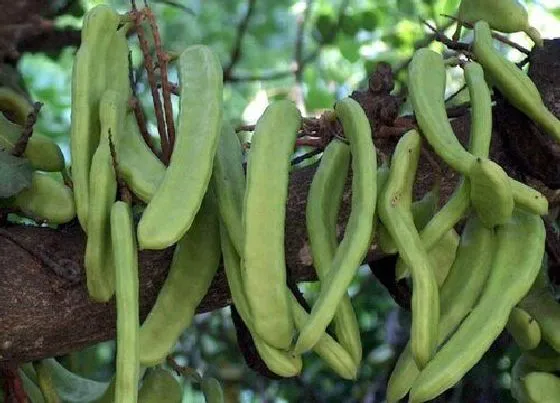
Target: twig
{"x":27,"y":132}
{"x":241,"y":31}
{"x":451,"y":44}
{"x":136,"y":106}
{"x":162,"y":62}
{"x":495,"y":35}
{"x":173,"y":88}
{"x":149,"y":66}
{"x":303,"y":157}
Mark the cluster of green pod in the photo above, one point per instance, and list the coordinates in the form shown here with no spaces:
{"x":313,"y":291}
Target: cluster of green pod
{"x":502,"y":15}
{"x":205,"y":206}
{"x":47,"y":198}
{"x":503,"y":229}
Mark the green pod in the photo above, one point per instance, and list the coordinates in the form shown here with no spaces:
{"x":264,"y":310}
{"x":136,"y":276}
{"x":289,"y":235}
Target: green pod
{"x":15,"y":104}
{"x":528,"y":199}
{"x":384,"y":240}
{"x":323,"y":204}
{"x":137,"y":165}
{"x":117,"y":64}
{"x":481,"y":109}
{"x":502,"y":15}
{"x":212,"y":390}
{"x":481,"y":134}
{"x":103,"y":192}
{"x":89,"y":78}
{"x":443,"y":254}
{"x":520,"y":244}
{"x":46,"y":384}
{"x":228,"y":181}
{"x":424,"y":209}
{"x":543,"y":307}
{"x":169,"y":215}
{"x":458,"y":294}
{"x":282,"y":363}
{"x":394,"y":212}
{"x":541,"y":386}
{"x":195,"y":262}
{"x":450,"y":214}
{"x":330,"y":351}
{"x":34,"y":394}
{"x":159,"y":385}
{"x":524,"y":329}
{"x":125,"y":256}
{"x":426,"y":85}
{"x":47,"y":199}
{"x":515,"y":85}
{"x":264,"y":267}
{"x":491,"y":193}
{"x":358,"y":234}
{"x":41,"y":151}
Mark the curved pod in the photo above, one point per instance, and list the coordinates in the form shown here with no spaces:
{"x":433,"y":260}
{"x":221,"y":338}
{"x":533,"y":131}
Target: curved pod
{"x":169,"y":214}
{"x":358,"y":234}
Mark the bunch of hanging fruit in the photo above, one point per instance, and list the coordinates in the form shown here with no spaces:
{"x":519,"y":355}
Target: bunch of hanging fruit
{"x":467,"y":287}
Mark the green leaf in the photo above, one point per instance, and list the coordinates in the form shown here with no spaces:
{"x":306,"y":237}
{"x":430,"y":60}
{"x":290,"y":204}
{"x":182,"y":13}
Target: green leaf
{"x":350,"y":24}
{"x":325,"y":29}
{"x":15,"y":174}
{"x":71,"y":387}
{"x":368,"y":20}
{"x":349,"y":48}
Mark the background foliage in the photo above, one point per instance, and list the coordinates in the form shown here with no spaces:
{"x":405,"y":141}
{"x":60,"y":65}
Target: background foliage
{"x":341,"y":42}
